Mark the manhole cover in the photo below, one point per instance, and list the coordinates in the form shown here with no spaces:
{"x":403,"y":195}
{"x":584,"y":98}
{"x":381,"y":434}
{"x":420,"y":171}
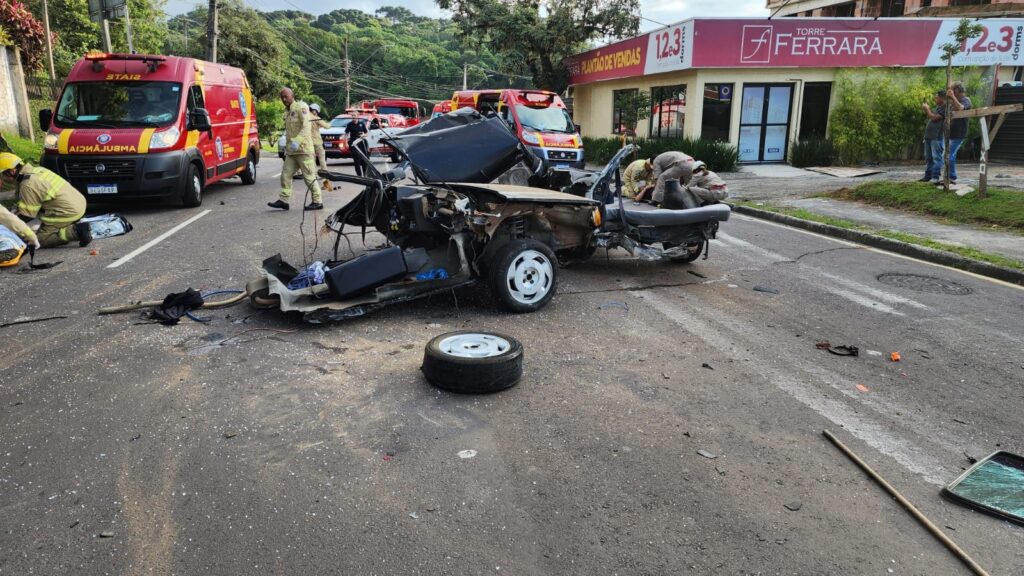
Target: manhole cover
{"x":922,"y":283}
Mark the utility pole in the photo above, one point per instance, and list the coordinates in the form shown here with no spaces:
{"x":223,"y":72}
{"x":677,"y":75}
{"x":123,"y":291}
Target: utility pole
{"x":105,"y":27}
{"x":348,"y":78}
{"x":465,"y":70}
{"x":49,"y":41}
{"x":211,"y":32}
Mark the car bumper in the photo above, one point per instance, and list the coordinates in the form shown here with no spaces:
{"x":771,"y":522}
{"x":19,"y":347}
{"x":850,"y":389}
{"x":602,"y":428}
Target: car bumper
{"x":157,"y":175}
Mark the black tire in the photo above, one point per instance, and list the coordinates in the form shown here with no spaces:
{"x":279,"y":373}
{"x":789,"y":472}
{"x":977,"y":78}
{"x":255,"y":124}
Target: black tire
{"x":536,"y":274}
{"x":395,"y":159}
{"x":693,"y":252}
{"x":473,"y":375}
{"x":249,"y":174}
{"x":193,"y":194}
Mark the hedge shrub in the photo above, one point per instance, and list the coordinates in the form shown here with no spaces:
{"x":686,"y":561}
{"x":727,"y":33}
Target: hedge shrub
{"x":811,"y":152}
{"x":719,"y":156}
{"x":877,"y":113}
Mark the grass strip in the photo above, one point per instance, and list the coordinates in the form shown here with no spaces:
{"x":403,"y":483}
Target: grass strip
{"x":1002,"y":207}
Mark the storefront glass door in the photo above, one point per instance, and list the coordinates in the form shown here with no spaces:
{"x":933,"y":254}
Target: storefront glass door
{"x":764,"y":122}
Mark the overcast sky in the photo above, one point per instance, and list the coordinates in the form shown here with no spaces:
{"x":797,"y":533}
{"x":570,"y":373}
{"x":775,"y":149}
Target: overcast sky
{"x":664,"y":11}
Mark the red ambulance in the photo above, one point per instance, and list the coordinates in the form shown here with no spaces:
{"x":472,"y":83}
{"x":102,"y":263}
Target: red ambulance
{"x":144,"y":126}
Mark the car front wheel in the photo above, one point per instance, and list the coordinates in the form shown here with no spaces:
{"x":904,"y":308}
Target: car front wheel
{"x":193,"y":195}
{"x":523,"y":275}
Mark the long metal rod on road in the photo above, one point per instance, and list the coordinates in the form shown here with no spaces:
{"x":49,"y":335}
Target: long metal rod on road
{"x":959,"y":552}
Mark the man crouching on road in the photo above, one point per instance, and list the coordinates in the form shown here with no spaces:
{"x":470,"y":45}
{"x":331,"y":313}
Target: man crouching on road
{"x":43,"y":194}
{"x":298,"y":152}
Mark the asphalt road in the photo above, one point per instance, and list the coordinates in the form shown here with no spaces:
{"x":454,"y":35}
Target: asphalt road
{"x":257,"y":444}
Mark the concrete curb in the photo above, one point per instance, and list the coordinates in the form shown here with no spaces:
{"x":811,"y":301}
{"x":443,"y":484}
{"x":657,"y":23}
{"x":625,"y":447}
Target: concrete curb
{"x":875,"y":241}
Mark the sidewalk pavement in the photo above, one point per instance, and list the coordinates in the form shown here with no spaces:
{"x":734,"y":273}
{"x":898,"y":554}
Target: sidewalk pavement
{"x":786,"y":186}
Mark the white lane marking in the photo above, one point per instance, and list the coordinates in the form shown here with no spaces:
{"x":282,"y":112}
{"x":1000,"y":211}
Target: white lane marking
{"x":880,"y":251}
{"x":879,"y":436}
{"x":863,"y":301}
{"x":156,"y":240}
{"x":880,"y":294}
{"x":736,"y":242}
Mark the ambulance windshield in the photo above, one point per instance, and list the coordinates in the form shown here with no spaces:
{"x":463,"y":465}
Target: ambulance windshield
{"x":118,"y":104}
{"x":545,"y":119}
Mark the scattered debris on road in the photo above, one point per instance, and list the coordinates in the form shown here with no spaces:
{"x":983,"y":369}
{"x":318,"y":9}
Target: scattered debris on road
{"x":844,"y":350}
{"x":862,"y":388}
{"x":706,"y":365}
{"x":470,"y":362}
{"x":994,"y":485}
{"x":895,"y":357}
{"x":794,"y":506}
{"x":24,"y":320}
{"x":706,"y":454}
{"x":766,"y":290}
{"x":465,"y":454}
{"x":614,"y":304}
{"x":106,"y":534}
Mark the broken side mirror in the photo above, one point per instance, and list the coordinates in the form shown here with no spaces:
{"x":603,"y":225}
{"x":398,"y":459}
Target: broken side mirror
{"x":45,"y":118}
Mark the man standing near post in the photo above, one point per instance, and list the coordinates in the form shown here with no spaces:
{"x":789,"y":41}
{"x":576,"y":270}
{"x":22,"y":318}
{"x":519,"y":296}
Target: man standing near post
{"x":298,"y":152}
{"x":933,"y":137}
{"x":958,"y":126}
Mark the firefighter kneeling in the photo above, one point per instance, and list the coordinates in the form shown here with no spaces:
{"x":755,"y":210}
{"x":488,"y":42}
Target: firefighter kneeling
{"x":43,"y":194}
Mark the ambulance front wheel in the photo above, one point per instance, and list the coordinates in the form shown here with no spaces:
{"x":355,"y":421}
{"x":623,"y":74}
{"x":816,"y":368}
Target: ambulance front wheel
{"x":249,"y":174}
{"x":193,"y":194}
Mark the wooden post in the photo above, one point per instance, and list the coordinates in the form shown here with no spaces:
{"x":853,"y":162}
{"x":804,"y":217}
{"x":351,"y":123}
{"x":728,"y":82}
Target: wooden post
{"x":987,"y":136}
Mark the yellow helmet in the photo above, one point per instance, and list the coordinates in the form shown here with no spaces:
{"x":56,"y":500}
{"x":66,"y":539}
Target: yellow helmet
{"x":9,"y":161}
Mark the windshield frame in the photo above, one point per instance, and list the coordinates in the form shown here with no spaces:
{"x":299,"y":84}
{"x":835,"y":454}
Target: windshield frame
{"x":347,"y":121}
{"x":62,"y":121}
{"x":518,"y":108}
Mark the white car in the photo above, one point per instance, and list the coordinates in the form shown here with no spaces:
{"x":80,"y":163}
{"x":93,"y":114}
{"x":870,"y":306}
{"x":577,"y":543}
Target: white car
{"x":336,"y":141}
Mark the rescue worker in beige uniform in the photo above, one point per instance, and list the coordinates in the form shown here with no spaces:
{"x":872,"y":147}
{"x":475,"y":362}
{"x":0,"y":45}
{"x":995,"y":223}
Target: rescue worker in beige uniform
{"x":298,"y":152}
{"x":315,"y":124}
{"x":18,"y":226}
{"x":670,"y":166}
{"x":43,"y":194}
{"x":638,"y":178}
{"x":707,"y":186}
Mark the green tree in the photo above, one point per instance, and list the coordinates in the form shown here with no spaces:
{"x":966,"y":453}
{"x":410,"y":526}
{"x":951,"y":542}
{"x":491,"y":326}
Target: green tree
{"x":74,"y":33}
{"x":538,"y":36}
{"x":149,"y":27}
{"x":269,"y":117}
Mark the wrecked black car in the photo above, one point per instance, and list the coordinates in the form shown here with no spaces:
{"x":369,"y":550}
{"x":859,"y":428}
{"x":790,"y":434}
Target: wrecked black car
{"x":447,"y":224}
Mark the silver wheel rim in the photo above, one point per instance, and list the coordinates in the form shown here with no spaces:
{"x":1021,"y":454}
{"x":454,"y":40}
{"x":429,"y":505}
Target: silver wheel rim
{"x":529,"y":277}
{"x":474,"y":345}
{"x":197,"y":185}
{"x":252,"y":167}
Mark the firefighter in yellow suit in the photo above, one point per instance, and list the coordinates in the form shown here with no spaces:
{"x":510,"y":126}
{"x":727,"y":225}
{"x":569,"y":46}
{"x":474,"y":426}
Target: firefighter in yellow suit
{"x":298,"y":152}
{"x":40,"y":192}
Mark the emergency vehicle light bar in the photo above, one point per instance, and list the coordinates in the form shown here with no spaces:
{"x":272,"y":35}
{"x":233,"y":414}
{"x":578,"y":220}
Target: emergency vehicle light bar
{"x":97,"y":59}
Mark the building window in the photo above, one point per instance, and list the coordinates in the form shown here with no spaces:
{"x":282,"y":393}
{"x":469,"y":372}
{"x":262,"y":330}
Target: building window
{"x":846,"y":10}
{"x":892,"y":8}
{"x":668,"y":111}
{"x":717,"y":113}
{"x":621,"y":101}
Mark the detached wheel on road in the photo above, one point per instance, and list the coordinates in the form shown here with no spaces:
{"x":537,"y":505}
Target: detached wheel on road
{"x":522,"y":275}
{"x":693,"y":251}
{"x":249,"y":174}
{"x":470,"y":362}
{"x":193,"y":194}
